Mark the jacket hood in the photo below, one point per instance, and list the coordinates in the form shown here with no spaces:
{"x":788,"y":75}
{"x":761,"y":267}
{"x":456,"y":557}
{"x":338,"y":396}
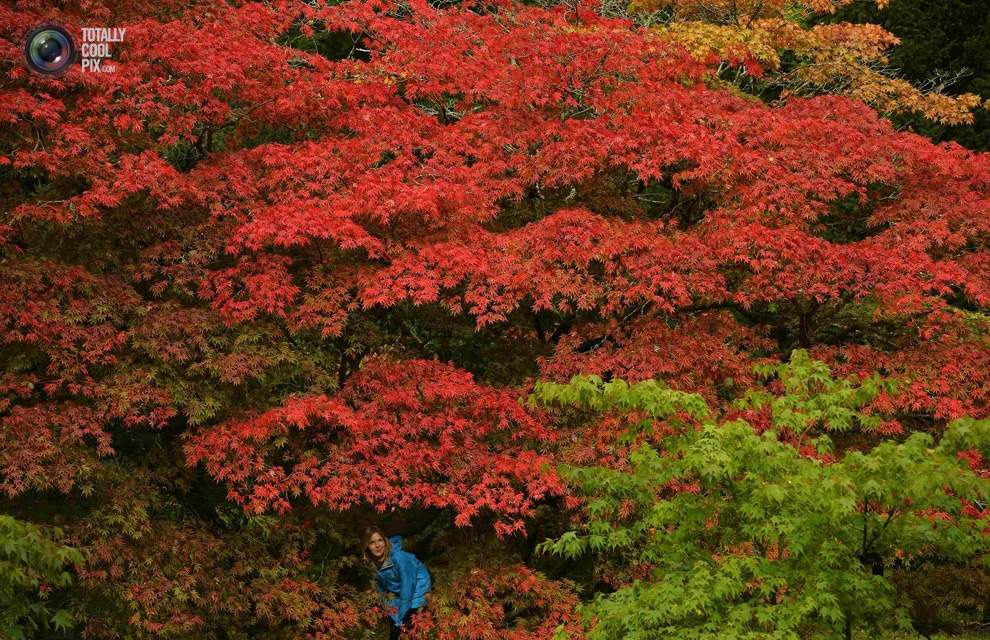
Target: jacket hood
{"x":396,"y":542}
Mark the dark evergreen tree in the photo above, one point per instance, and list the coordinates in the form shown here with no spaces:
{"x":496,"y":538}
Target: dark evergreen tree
{"x":943,"y":42}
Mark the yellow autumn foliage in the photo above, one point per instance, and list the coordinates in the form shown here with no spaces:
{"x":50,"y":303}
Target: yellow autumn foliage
{"x":738,"y":11}
{"x":845,"y":59}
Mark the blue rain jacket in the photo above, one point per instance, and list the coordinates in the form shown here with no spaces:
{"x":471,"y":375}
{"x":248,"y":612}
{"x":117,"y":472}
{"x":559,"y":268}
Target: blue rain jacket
{"x":404,"y":575}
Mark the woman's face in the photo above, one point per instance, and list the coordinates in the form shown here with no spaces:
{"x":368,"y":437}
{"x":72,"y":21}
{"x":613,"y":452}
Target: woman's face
{"x":377,"y":546}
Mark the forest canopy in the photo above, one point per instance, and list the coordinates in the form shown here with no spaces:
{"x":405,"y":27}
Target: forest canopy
{"x":649,"y":320}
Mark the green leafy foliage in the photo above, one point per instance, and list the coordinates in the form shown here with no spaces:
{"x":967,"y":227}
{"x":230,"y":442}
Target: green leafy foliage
{"x":32,"y":567}
{"x":813,"y":399}
{"x":744,"y":536}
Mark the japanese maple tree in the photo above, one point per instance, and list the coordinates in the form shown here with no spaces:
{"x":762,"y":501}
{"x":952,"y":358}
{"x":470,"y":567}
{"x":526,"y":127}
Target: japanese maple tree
{"x":743,"y":536}
{"x":289,"y":268}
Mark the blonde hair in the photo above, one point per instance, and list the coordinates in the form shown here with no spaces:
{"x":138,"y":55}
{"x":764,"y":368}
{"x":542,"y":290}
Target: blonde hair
{"x":368,"y":533}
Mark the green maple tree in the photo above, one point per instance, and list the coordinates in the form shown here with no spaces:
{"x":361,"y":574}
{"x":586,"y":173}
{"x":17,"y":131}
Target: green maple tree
{"x":746,"y":536}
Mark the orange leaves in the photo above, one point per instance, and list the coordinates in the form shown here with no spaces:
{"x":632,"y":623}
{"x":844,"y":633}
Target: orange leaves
{"x":737,"y":11}
{"x":844,"y":59}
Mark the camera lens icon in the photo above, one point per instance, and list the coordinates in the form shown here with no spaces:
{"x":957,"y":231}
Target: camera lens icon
{"x":49,"y":50}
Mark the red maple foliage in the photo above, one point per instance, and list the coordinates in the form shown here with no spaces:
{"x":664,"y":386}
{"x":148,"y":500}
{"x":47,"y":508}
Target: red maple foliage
{"x":399,"y":434}
{"x":320,"y":280}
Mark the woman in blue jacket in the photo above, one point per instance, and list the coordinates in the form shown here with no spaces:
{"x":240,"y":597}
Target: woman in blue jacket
{"x":399,"y":573}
